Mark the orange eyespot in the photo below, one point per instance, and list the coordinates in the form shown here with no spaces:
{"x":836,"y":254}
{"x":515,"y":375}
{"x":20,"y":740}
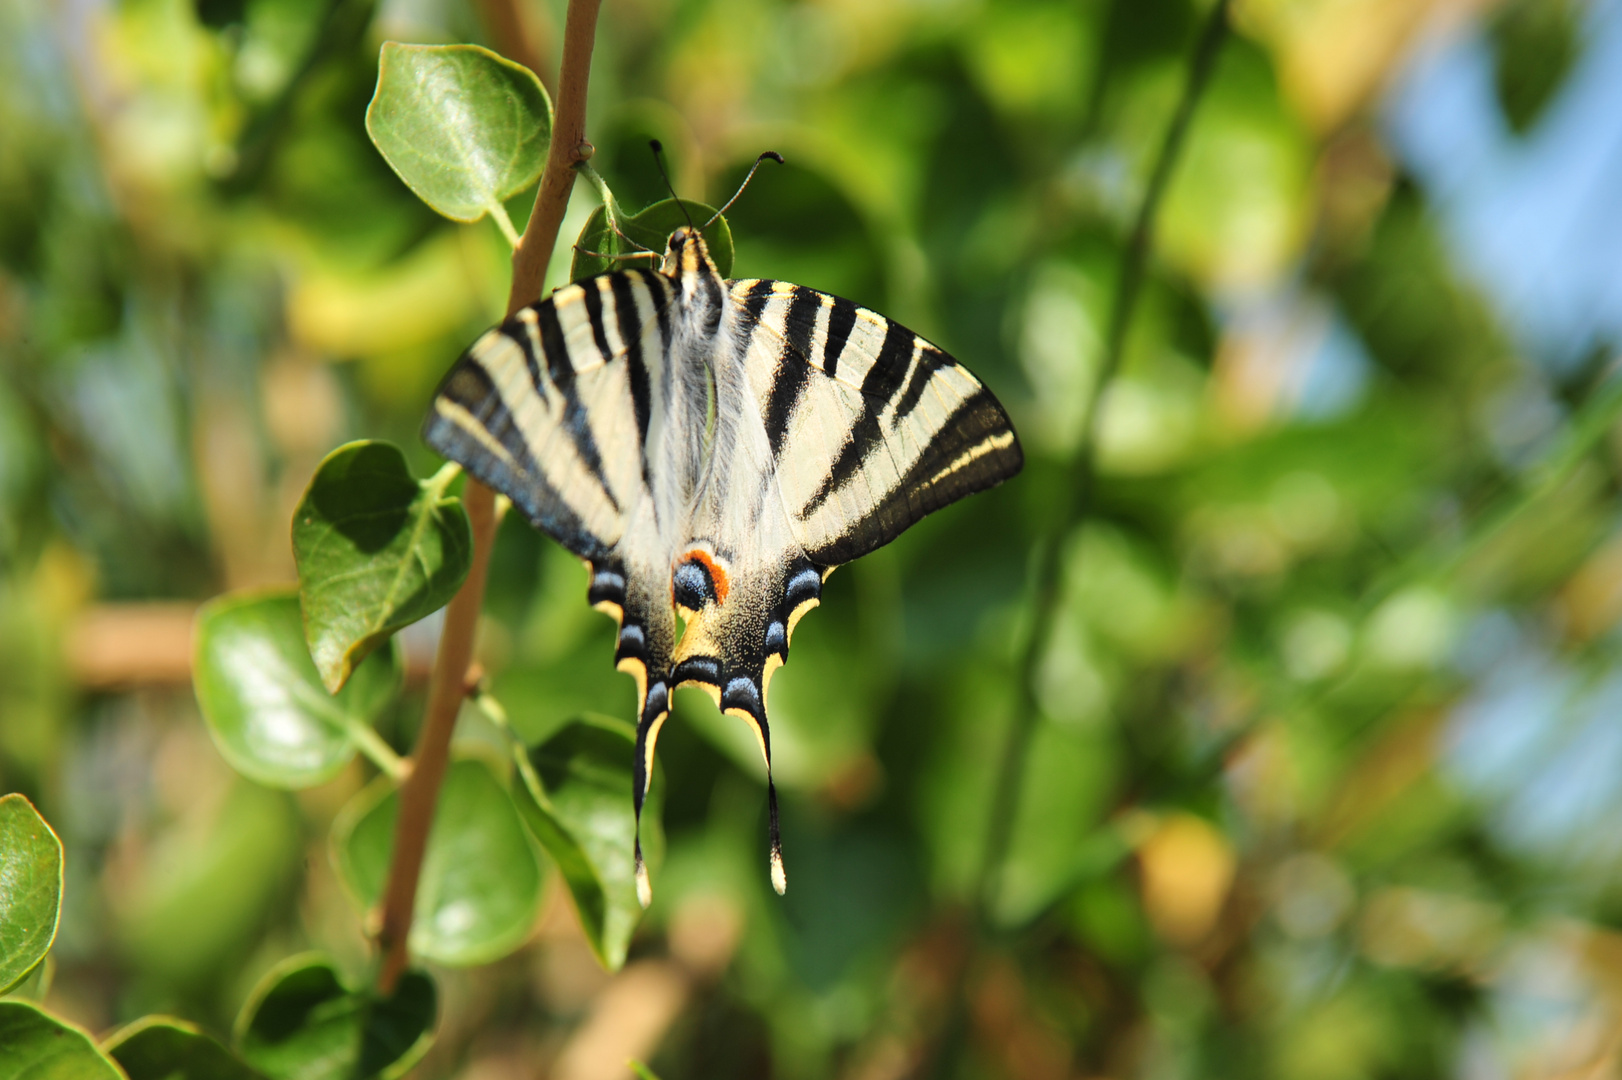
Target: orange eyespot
{"x":718,"y":576}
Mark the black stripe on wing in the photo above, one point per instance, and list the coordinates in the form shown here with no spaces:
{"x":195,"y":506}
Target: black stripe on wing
{"x":879,"y":385}
{"x":630,"y":331}
{"x":841,"y":321}
{"x":514,"y":471}
{"x":973,"y":450}
{"x":794,"y":367}
{"x":560,"y":366}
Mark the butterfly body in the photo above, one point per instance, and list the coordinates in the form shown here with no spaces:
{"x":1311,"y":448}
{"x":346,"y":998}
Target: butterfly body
{"x":713,"y":449}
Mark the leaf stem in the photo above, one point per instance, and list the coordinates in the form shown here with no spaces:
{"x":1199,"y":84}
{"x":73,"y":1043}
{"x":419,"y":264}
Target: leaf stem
{"x":448,"y":685}
{"x":380,"y":753}
{"x":610,"y":208}
{"x":442,"y":479}
{"x":1075,"y":501}
{"x":498,"y":213}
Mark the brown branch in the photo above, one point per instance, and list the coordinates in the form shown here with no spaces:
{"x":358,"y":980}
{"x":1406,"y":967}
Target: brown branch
{"x":120,"y":646}
{"x":448,"y":686}
{"x":569,"y":147}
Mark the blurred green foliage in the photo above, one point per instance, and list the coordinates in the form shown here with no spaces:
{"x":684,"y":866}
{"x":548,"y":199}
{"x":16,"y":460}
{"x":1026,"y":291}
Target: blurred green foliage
{"x":1324,"y":779}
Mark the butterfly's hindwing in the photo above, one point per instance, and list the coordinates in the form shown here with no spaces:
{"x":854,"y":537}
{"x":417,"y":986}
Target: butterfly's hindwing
{"x":713,"y":450}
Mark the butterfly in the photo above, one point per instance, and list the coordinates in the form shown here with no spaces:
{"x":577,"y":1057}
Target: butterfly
{"x":713,"y":449}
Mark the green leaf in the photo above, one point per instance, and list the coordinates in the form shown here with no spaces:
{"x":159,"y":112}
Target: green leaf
{"x":463,"y":127}
{"x":376,"y":551}
{"x":30,"y":889}
{"x":480,"y":888}
{"x":302,"y":1023}
{"x":651,"y":229}
{"x":36,"y":1046}
{"x":264,"y":703}
{"x":163,"y":1048}
{"x":574,"y":790}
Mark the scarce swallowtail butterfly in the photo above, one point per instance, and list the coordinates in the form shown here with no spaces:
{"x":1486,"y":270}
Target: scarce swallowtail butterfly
{"x":714,"y":449}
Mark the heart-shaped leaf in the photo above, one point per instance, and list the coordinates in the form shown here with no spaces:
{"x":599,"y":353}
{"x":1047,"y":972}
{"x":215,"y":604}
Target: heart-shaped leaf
{"x":574,"y":790}
{"x":376,"y":551}
{"x":34,"y":1045}
{"x":163,"y":1048}
{"x":480,"y":888}
{"x":30,"y":889}
{"x":264,"y":703}
{"x":463,"y":127}
{"x":302,"y":1023}
{"x":651,"y":230}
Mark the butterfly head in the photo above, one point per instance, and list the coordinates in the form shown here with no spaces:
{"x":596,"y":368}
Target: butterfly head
{"x":687,"y":261}
{"x":687,"y":253}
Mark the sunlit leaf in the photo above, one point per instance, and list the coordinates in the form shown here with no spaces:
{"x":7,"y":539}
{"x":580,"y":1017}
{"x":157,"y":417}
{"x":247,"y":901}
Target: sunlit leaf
{"x":480,"y":888}
{"x":36,"y":1046}
{"x":650,"y":230}
{"x":30,"y":889}
{"x":463,"y":127}
{"x":575,"y":793}
{"x":376,"y":551}
{"x":302,"y":1023}
{"x":264,"y":703}
{"x":164,"y":1048}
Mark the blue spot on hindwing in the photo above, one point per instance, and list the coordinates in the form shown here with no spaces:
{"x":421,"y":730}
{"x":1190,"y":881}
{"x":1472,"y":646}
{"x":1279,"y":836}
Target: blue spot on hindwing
{"x":742,"y":694}
{"x":803,"y":586}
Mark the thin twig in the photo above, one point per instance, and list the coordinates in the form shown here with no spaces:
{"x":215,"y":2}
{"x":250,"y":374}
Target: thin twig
{"x":449,"y":685}
{"x":1075,"y":501}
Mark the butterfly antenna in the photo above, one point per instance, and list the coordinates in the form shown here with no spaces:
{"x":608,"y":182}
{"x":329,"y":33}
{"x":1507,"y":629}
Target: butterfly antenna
{"x":774,"y":155}
{"x":642,"y":250}
{"x":658,"y":149}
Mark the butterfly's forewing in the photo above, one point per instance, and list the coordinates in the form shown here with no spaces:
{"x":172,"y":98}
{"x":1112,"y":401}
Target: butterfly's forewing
{"x":873,"y":426}
{"x":543,"y":408}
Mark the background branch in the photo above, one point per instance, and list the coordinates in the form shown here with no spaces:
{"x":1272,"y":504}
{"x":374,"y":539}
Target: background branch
{"x":448,"y":685}
{"x":1075,"y":500}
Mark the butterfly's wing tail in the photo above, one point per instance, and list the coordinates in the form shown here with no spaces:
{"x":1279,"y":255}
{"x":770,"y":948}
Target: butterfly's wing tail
{"x":736,"y":639}
{"x":644,"y":649}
